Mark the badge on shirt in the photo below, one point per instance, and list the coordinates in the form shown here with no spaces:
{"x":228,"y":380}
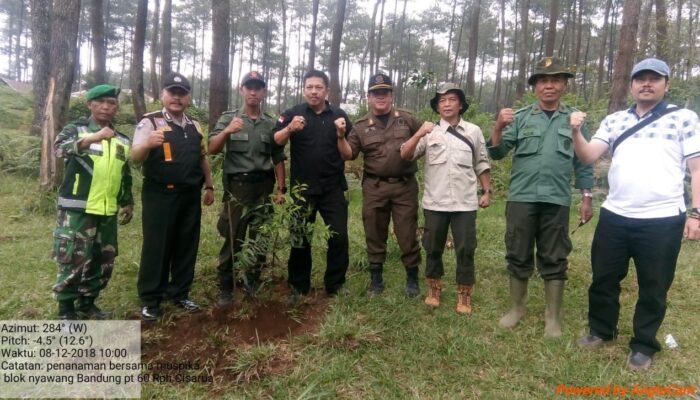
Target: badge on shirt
{"x":162,"y":125}
{"x":96,"y":146}
{"x":281,"y":119}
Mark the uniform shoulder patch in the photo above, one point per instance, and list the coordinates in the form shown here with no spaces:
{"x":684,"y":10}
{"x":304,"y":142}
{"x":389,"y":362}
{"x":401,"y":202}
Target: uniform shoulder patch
{"x":405,"y":111}
{"x":270,"y":115}
{"x":230,"y":112}
{"x":521,"y":110}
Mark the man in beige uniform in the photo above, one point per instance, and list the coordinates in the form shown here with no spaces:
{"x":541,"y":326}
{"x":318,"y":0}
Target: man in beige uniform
{"x":389,"y":187}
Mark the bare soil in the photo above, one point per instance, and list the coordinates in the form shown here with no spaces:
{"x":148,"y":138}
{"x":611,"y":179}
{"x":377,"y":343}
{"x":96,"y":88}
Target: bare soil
{"x":218,"y":345}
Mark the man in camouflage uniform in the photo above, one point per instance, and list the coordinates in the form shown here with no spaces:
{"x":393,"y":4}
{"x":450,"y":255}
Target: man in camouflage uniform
{"x":96,"y":184}
{"x":389,"y":187}
{"x":539,"y":194}
{"x":251,"y":164}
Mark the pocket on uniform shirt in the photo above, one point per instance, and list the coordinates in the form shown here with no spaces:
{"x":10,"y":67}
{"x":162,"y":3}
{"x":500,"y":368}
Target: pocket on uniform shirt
{"x":266,"y":140}
{"x":437,"y":153}
{"x":564,"y":143}
{"x":238,"y":142}
{"x":528,"y":143}
{"x":463,"y":157}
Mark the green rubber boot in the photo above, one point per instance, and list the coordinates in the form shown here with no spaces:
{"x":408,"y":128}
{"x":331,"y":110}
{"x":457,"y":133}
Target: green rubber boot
{"x":518,"y":295}
{"x":553,"y":296}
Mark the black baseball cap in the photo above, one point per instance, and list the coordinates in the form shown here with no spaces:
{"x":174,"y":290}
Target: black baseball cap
{"x":378,"y":82}
{"x":176,"y":80}
{"x":253,"y":76}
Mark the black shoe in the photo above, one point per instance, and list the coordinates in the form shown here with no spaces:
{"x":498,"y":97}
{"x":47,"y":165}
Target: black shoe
{"x":150,"y":313}
{"x":66,"y":310}
{"x":591,"y":341}
{"x":294,"y":298}
{"x":338,"y":292}
{"x":225,"y":299}
{"x":188,"y":305}
{"x":412,"y":287}
{"x":93,"y":312}
{"x":638,"y":361}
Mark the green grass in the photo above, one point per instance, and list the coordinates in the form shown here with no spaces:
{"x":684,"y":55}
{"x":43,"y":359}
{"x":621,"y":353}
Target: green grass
{"x":386,"y":346}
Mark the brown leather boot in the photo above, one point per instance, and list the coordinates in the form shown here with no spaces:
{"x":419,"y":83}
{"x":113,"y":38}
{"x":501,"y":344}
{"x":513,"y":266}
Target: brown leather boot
{"x":464,"y":299}
{"x":434,"y":289}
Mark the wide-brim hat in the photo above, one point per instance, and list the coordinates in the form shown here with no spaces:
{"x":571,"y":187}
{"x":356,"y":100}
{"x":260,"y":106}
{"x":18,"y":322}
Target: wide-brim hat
{"x":449,"y":87}
{"x":549,"y":66}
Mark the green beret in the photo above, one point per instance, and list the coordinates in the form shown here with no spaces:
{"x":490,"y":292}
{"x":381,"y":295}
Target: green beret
{"x":102,"y":91}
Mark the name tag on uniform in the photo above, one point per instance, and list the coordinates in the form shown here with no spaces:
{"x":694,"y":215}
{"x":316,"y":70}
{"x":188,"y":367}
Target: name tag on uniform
{"x":96,"y":146}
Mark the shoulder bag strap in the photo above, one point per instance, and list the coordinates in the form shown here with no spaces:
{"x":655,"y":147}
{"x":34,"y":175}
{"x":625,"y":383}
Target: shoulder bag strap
{"x":631,"y":131}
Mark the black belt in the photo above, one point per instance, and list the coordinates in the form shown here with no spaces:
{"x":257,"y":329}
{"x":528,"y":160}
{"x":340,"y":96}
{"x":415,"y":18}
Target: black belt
{"x":254,"y":176}
{"x":390,"y":179}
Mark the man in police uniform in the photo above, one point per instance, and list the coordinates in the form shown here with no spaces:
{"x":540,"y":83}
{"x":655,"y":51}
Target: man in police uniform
{"x":539,"y":196}
{"x":96,"y":184}
{"x":311,"y":129}
{"x":252,"y":162}
{"x":389,"y":186}
{"x":173,"y":151}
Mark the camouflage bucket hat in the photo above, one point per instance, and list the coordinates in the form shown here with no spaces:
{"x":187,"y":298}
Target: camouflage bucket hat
{"x":549,"y":66}
{"x":449,"y":87}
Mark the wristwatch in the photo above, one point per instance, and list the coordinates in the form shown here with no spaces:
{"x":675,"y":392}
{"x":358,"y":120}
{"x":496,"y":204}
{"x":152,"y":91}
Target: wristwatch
{"x":282,"y":189}
{"x":587,"y":194}
{"x":484,"y":191}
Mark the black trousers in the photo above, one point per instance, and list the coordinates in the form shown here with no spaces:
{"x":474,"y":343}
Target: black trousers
{"x":545,"y":226}
{"x":171,"y":224}
{"x":654,"y":245}
{"x":463,"y":225}
{"x":334,"y":210}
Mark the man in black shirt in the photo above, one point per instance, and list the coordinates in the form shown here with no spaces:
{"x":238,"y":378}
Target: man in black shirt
{"x":310,"y":127}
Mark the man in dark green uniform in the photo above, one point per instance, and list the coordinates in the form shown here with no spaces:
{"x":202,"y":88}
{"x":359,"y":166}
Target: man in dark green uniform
{"x":173,"y":151}
{"x":96,"y":184}
{"x":252,"y":162}
{"x":539,"y":196}
{"x":389,"y":187}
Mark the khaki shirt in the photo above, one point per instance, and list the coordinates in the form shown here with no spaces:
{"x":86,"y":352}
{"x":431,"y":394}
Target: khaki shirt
{"x":451,"y":169}
{"x":381,"y":146}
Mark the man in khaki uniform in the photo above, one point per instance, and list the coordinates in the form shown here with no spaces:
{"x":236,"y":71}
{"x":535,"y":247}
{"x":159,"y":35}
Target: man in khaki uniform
{"x":389,"y":187}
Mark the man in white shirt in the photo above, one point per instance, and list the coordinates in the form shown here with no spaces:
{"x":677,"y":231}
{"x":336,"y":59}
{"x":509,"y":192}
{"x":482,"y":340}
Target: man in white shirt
{"x":644,"y":215}
{"x":455,"y":159}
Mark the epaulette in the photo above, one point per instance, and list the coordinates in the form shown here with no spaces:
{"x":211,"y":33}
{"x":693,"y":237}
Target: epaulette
{"x":363,"y":118}
{"x":403,"y":110}
{"x":526,"y":108}
{"x":81,"y":122}
{"x":270,"y":115}
{"x":230,"y":112}
{"x":152,"y":113}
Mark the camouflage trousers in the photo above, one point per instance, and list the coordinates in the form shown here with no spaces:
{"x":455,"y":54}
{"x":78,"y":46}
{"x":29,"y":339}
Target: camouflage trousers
{"x":84,"y":246}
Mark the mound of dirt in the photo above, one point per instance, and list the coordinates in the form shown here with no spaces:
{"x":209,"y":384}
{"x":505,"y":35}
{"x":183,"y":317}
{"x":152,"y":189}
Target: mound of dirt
{"x":227,"y":345}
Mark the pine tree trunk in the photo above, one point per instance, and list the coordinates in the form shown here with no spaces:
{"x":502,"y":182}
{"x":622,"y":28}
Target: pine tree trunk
{"x":41,"y":39}
{"x":625,"y":55}
{"x":166,"y":54}
{"x":136,"y":71}
{"x":99,"y":50}
{"x":155,"y":86}
{"x":334,"y":61}
{"x":219,"y":83}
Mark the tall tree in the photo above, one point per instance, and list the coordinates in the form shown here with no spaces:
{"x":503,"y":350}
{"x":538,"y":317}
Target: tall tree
{"x":473,"y":46}
{"x":41,"y":46}
{"x":282,"y":76}
{"x":99,"y":48}
{"x":64,"y":37}
{"x":501,"y":49}
{"x":166,"y":54}
{"x":136,"y":70}
{"x":219,"y":84}
{"x":601,"y":54}
{"x":334,"y":62}
{"x":661,"y":29}
{"x":552,"y":29}
{"x":312,"y":41}
{"x":523,"y":50}
{"x":154,"y":50}
{"x":625,"y":55}
{"x":380,"y":29}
